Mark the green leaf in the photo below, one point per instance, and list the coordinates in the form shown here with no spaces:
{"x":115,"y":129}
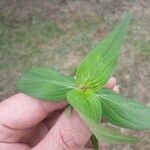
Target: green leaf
{"x":107,"y":135}
{"x":94,"y":142}
{"x":124,"y":112}
{"x":46,"y":84}
{"x":97,"y":67}
{"x":85,"y":102}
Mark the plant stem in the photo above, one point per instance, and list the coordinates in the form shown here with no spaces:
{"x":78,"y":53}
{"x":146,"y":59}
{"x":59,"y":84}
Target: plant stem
{"x":94,"y":142}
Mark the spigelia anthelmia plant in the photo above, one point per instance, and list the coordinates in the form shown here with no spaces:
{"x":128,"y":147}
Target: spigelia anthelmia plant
{"x":86,"y":92}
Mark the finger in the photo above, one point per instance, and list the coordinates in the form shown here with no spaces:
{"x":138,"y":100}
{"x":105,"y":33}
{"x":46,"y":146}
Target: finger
{"x":21,"y":111}
{"x":67,"y":133}
{"x":13,"y":146}
{"x":116,"y":89}
{"x":20,"y":114}
{"x":111,"y":83}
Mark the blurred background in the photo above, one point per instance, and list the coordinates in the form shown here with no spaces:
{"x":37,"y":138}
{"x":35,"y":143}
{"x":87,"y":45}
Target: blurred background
{"x":60,"y":33}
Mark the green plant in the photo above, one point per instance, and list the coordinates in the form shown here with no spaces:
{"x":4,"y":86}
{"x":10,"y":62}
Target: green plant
{"x":86,"y":92}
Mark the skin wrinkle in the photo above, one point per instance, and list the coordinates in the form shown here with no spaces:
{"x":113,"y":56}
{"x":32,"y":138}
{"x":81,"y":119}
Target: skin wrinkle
{"x":59,"y":141}
{"x":73,"y":142}
{"x":7,"y":127}
{"x":6,"y":142}
{"x":64,"y":144}
{"x":70,"y":135}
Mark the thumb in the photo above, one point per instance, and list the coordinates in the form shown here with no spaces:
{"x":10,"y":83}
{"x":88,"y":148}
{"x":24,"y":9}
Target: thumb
{"x":67,"y":134}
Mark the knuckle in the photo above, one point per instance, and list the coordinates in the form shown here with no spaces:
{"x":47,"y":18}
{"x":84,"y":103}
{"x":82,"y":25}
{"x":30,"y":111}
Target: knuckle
{"x":71,"y":139}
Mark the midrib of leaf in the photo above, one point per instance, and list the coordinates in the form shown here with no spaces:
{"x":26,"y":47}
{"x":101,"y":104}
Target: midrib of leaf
{"x":117,"y":113}
{"x":52,"y":81}
{"x":118,"y":116}
{"x":102,"y":95}
{"x":131,"y":117}
{"x":31,"y":86}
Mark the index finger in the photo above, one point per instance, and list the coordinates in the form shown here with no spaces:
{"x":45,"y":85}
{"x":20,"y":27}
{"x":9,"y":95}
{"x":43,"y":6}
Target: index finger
{"x":21,"y":111}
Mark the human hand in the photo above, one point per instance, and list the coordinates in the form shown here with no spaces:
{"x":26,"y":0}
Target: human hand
{"x":27,"y":123}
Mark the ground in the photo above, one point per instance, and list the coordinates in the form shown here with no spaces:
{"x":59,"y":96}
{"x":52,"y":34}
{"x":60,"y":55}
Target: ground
{"x":60,"y":32}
